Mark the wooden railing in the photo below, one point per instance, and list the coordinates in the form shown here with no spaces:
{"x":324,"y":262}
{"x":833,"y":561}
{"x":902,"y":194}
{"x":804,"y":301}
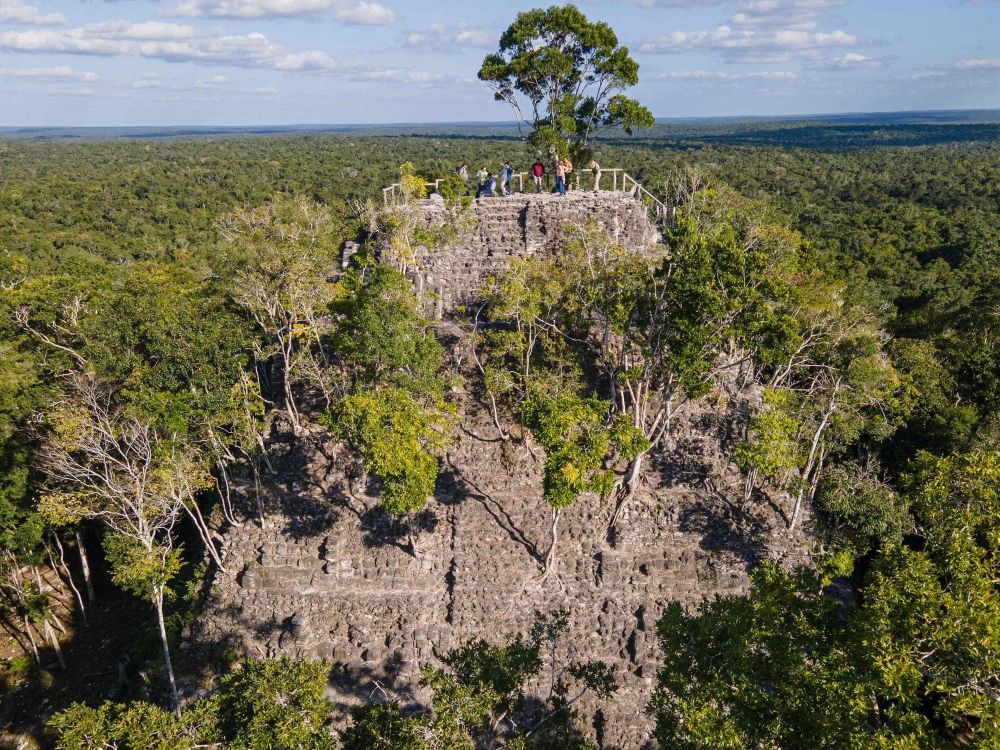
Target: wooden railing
{"x":621,"y":181}
{"x":393,"y":195}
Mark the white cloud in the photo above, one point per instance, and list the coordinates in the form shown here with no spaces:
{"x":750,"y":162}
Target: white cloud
{"x":213,"y":85}
{"x":171,"y":43}
{"x":848,"y":61}
{"x":801,"y":15}
{"x":212,"y":82}
{"x":787,"y":14}
{"x":751,"y":45}
{"x":85,"y":91}
{"x":439,"y":37}
{"x":398,"y":75}
{"x":144,"y":30}
{"x":183,"y":43}
{"x":365,"y":13}
{"x":980,"y":64}
{"x":677,"y":3}
{"x":148,"y":81}
{"x":722,"y":75}
{"x":16,"y":11}
{"x":763,"y":31}
{"x":855,"y":57}
{"x":57,"y":73}
{"x":346,"y":11}
{"x":58,"y":89}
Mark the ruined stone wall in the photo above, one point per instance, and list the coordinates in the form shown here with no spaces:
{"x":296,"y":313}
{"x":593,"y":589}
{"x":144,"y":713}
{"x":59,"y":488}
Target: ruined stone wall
{"x":329,"y":574}
{"x":517,"y":226}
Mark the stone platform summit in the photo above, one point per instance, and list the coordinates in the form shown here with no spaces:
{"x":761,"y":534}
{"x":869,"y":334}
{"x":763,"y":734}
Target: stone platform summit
{"x":520,"y":225}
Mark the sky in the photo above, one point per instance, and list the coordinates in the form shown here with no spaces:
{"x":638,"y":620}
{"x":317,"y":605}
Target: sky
{"x":283,"y":62}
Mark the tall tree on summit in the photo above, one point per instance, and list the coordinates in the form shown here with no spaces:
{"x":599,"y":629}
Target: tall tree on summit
{"x":572,"y":72}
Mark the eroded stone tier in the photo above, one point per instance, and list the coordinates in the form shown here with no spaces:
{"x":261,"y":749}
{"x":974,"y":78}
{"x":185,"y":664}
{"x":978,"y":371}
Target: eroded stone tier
{"x":518,"y":226}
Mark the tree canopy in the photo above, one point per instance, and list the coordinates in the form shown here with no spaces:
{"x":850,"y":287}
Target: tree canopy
{"x":848,"y":287}
{"x":571,"y":71}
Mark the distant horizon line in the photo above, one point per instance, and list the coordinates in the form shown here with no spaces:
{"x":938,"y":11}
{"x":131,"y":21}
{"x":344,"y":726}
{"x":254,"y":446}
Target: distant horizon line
{"x":514,"y":123}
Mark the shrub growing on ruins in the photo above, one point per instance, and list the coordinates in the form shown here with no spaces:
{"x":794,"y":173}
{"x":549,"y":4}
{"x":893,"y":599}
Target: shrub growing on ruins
{"x":578,"y":438}
{"x":480,"y":698}
{"x":393,"y":408}
{"x":262,"y":705}
{"x":399,"y":438}
{"x":282,"y":255}
{"x":277,"y":703}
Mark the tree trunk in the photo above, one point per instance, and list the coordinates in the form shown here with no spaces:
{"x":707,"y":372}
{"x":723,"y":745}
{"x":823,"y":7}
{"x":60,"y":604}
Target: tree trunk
{"x":168,"y":665}
{"x":290,"y":407}
{"x":223,"y":490}
{"x":55,"y":644}
{"x":255,"y":467}
{"x":85,"y":566}
{"x":410,"y":536}
{"x":627,"y":489}
{"x":810,"y":462}
{"x":554,"y":537}
{"x":31,"y":637}
{"x":263,"y":455}
{"x":58,"y":622}
{"x":750,"y":485}
{"x":204,"y":532}
{"x":59,"y":575}
{"x":53,"y":593}
{"x":69,"y":577}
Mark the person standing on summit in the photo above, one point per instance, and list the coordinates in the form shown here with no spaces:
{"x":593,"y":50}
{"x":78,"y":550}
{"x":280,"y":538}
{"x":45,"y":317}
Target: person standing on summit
{"x":481,"y":177}
{"x":561,"y":177}
{"x":595,"y":169}
{"x":537,"y":170}
{"x":506,"y":176}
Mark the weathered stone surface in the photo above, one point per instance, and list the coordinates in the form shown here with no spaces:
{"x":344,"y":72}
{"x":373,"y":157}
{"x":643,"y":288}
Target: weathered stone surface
{"x":518,"y":226}
{"x":329,"y":575}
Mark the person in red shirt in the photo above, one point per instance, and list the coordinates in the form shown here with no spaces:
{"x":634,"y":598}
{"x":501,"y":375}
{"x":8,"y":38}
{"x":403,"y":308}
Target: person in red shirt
{"x":537,"y":170}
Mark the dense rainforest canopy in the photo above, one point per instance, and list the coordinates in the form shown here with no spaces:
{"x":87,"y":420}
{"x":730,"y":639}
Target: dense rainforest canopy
{"x":163,"y":303}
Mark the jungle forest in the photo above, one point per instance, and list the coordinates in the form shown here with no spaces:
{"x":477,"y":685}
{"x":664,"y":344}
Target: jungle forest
{"x":175,"y":313}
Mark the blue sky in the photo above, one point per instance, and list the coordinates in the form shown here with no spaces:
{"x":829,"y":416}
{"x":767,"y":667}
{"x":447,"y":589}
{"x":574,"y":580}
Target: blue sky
{"x":248,"y":62}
